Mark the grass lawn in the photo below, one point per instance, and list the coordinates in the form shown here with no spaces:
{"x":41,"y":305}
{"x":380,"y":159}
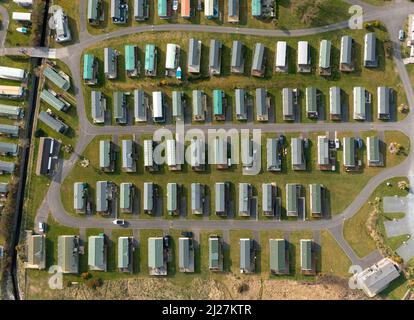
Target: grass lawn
{"x":355,"y":231}
{"x":15,"y":38}
{"x":333,"y":259}
{"x":385,"y":74}
{"x":331,"y":11}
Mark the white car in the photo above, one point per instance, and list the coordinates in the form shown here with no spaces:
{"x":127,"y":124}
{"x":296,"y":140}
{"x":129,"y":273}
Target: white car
{"x":42,"y":227}
{"x":401,"y":35}
{"x":119,"y":222}
{"x":175,"y":5}
{"x":337,"y":144}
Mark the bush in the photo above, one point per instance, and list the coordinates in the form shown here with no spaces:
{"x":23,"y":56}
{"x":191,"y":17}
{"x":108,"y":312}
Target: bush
{"x":86,"y":275}
{"x":39,"y":133}
{"x":94,"y":283}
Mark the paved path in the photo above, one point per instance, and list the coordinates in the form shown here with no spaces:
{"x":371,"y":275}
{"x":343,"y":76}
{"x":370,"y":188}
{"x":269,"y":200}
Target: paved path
{"x":392,"y":16}
{"x":4,"y":25}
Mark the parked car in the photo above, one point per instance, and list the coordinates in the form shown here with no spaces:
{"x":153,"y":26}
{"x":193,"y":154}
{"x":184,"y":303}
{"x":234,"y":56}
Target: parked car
{"x":42,"y":227}
{"x":331,"y":144}
{"x":167,"y":241}
{"x":119,"y":222}
{"x":187,"y":234}
{"x":337,"y":143}
{"x":401,"y":35}
{"x":306,"y":140}
{"x":360,"y":143}
{"x":282,"y":139}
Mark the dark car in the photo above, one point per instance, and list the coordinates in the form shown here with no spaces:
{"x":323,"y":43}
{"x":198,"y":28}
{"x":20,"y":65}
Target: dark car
{"x":359,"y":143}
{"x":167,"y":240}
{"x":282,"y":139}
{"x":187,"y":234}
{"x":306,"y":140}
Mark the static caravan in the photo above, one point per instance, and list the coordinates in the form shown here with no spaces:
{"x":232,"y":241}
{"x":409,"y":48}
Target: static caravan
{"x":150,"y":199}
{"x":7,"y":167}
{"x":157,"y":257}
{"x":247,"y":256}
{"x":98,"y":109}
{"x":80,"y":197}
{"x":11,"y":112}
{"x":141,"y":10}
{"x":245,"y":197}
{"x":220,"y":153}
{"x":68,"y":253}
{"x":94,"y":12}
{"x":110,"y":63}
{"x":97,"y":253}
{"x":9,"y":149}
{"x":370,"y":53}
{"x":307,"y":259}
{"x":194,"y":56}
{"x":317,"y":198}
{"x":268,"y":199}
{"x":211,"y":9}
{"x":158,"y":107}
{"x":126,"y":197}
{"x":274,"y":154}
{"x":384,"y":98}
{"x":288,"y":100}
{"x":132,"y":64}
{"x":325,"y":58}
{"x":346,"y":64}
{"x":52,"y":100}
{"x":129,"y":156}
{"x":149,"y":163}
{"x":119,"y":11}
{"x":9,"y":130}
{"x":61,"y":25}
{"x":120,"y":107}
{"x":24,"y":3}
{"x":140,"y":106}
{"x":304,"y":57}
{"x":297,"y":154}
{"x":173,"y":159}
{"x":215,"y":254}
{"x":106,"y":156}
{"x":214,"y":61}
{"x":335,"y":103}
{"x":197,"y":198}
{"x":22,"y":16}
{"x":361,"y":98}
{"x":173,"y":199}
{"x":219,"y":105}
{"x":349,"y":154}
{"x":312,"y":102}
{"x":197,"y":153}
{"x":199,"y":103}
{"x":222,"y":198}
{"x":374,"y":154}
{"x":233,"y":11}
{"x":186,"y":10}
{"x":150,"y":60}
{"x":53,"y":123}
{"x":237,"y":57}
{"x":164,"y":9}
{"x":281,"y":63}
{"x":104,"y":196}
{"x":325,"y":160}
{"x":292,"y":199}
{"x":172,"y":61}
{"x":14,"y":74}
{"x":125,"y":254}
{"x":240,"y":102}
{"x":262,"y":103}
{"x":59,"y":79}
{"x":90,"y":69}
{"x":185,"y":254}
{"x":259,"y":61}
{"x":178,"y":105}
{"x":11,"y":92}
{"x":256,"y":8}
{"x":279,"y":256}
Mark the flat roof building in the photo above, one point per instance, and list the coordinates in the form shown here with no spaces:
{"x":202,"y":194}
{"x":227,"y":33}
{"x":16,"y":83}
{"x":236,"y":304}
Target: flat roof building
{"x":281,"y":63}
{"x":68,"y":253}
{"x":279,"y":254}
{"x":126,"y":197}
{"x":97,"y":253}
{"x":237,"y":57}
{"x":259,"y":60}
{"x":292,"y":199}
{"x":140,"y":105}
{"x":370,"y":54}
{"x":214,"y":61}
{"x":297,"y":154}
{"x":157,"y":262}
{"x":150,"y":67}
{"x":119,"y":11}
{"x":240,"y":97}
{"x":98,"y":104}
{"x":53,"y":123}
{"x":129,"y":156}
{"x":194,"y":56}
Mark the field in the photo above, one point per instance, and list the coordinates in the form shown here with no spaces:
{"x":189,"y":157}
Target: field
{"x":385,"y":74}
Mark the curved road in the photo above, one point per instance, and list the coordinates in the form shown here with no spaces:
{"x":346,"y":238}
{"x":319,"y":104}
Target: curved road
{"x":392,"y":16}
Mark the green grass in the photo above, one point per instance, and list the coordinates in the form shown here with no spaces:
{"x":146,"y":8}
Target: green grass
{"x":333,"y":259}
{"x":385,"y":74}
{"x":355,"y":230}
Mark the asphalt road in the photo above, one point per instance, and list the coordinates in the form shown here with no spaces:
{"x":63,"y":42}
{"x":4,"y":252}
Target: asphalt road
{"x":392,"y":15}
{"x":4,"y":25}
